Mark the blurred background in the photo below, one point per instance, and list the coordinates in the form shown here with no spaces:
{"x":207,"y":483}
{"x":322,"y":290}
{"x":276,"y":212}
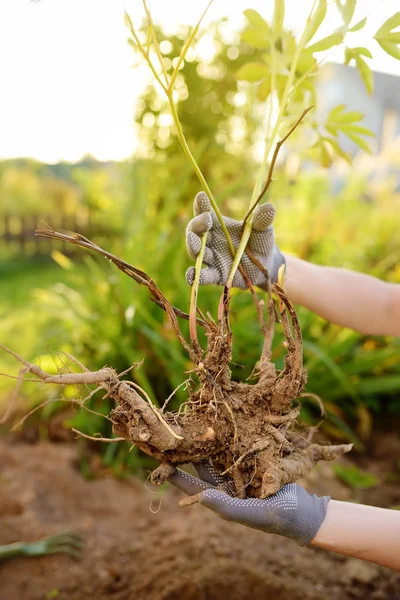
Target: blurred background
{"x":88,"y":145}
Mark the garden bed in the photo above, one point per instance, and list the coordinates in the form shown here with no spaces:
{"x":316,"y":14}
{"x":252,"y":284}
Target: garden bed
{"x":159,"y":551}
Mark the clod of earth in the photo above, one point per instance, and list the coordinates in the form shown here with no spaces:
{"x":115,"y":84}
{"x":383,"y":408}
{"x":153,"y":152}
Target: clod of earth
{"x":248,"y":431}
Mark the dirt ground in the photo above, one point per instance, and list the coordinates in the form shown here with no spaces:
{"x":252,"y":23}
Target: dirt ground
{"x":137,"y":548}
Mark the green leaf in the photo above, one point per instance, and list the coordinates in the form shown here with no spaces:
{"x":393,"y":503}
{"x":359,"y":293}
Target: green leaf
{"x":256,"y":20}
{"x":346,"y":10}
{"x":363,"y":51}
{"x":387,"y":26}
{"x":379,"y":385}
{"x":339,"y":151}
{"x":390,"y":38}
{"x":365,"y":73}
{"x":278,"y":18}
{"x":306,"y":62}
{"x":264,"y":90}
{"x":256,"y":37}
{"x":352,"y":53}
{"x":326,"y":159}
{"x":358,"y":26}
{"x":336,"y":371}
{"x":343,"y":428}
{"x":356,"y":129}
{"x":314,"y":23}
{"x":337,"y":115}
{"x":331,"y":40}
{"x":333,"y":130}
{"x":252,"y":72}
{"x":354,"y":477}
{"x":387,"y":38}
{"x":280,"y":83}
{"x":391,"y":49}
{"x":359,"y":141}
{"x":348,"y":55}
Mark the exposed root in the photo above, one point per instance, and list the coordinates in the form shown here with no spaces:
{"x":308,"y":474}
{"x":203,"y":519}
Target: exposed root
{"x":98,"y":438}
{"x":247,"y":431}
{"x":298,"y":465}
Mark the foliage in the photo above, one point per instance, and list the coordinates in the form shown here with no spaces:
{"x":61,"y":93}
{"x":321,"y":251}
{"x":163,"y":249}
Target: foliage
{"x":107,"y":320}
{"x":354,"y":477}
{"x":285,"y":69}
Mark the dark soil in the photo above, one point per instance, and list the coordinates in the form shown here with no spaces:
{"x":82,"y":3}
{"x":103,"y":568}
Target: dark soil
{"x":139,"y":551}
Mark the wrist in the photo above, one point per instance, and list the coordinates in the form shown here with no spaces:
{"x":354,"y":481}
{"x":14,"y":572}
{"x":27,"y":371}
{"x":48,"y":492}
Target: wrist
{"x":309,"y":516}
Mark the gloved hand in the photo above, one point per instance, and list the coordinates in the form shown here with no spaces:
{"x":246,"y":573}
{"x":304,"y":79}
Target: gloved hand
{"x":292,"y":512}
{"x":217,"y":256}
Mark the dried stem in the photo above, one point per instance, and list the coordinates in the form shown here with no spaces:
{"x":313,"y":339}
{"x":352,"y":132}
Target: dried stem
{"x":11,"y":404}
{"x":247,"y":225}
{"x":139,"y":276}
{"x":278,"y":146}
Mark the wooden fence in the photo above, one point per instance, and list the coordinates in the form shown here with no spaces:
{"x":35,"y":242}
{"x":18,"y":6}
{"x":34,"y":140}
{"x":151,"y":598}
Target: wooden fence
{"x":17,"y":234}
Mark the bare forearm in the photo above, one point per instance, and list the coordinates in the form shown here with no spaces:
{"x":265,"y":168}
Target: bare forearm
{"x":365,"y":532}
{"x":347,"y":298}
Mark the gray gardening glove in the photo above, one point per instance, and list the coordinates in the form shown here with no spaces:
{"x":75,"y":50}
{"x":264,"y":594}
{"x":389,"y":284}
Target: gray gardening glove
{"x":217,"y":256}
{"x":292,"y":512}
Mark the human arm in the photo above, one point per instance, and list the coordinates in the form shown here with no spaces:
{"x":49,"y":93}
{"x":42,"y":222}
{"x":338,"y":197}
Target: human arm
{"x":364,"y":532}
{"x":361,"y":302}
{"x":355,"y":300}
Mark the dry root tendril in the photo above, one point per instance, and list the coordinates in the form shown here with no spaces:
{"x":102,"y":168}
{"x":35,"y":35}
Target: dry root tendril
{"x":247,"y":431}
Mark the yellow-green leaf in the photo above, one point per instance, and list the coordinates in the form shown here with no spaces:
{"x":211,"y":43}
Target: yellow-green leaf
{"x":336,"y":146}
{"x":306,"y":62}
{"x":346,"y":10}
{"x":280,"y":83}
{"x":63,"y":261}
{"x":325,"y":156}
{"x":390,"y":38}
{"x":256,"y":20}
{"x":337,"y":115}
{"x":264,"y":90}
{"x":278,"y":18}
{"x":358,"y":26}
{"x":387,"y":26}
{"x":333,"y":130}
{"x":363,"y":51}
{"x":348,"y":55}
{"x":314,"y":23}
{"x":252,"y":72}
{"x":391,"y":49}
{"x":365,"y":73}
{"x":359,"y":141}
{"x":356,"y":129}
{"x":331,"y":40}
{"x":256,"y":37}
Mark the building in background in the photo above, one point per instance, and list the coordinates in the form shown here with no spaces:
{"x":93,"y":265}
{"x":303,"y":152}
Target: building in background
{"x":341,"y":84}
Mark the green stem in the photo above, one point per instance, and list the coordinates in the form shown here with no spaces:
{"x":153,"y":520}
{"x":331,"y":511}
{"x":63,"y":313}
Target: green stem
{"x":283,"y":106}
{"x":187,"y":46}
{"x":155,"y":41}
{"x":261,"y":172}
{"x":195,"y":289}
{"x":146,"y":56}
{"x":197,"y":170}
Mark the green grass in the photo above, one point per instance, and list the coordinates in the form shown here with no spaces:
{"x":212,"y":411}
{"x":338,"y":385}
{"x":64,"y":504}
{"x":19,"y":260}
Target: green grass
{"x":22,"y":322}
{"x":19,"y":277}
